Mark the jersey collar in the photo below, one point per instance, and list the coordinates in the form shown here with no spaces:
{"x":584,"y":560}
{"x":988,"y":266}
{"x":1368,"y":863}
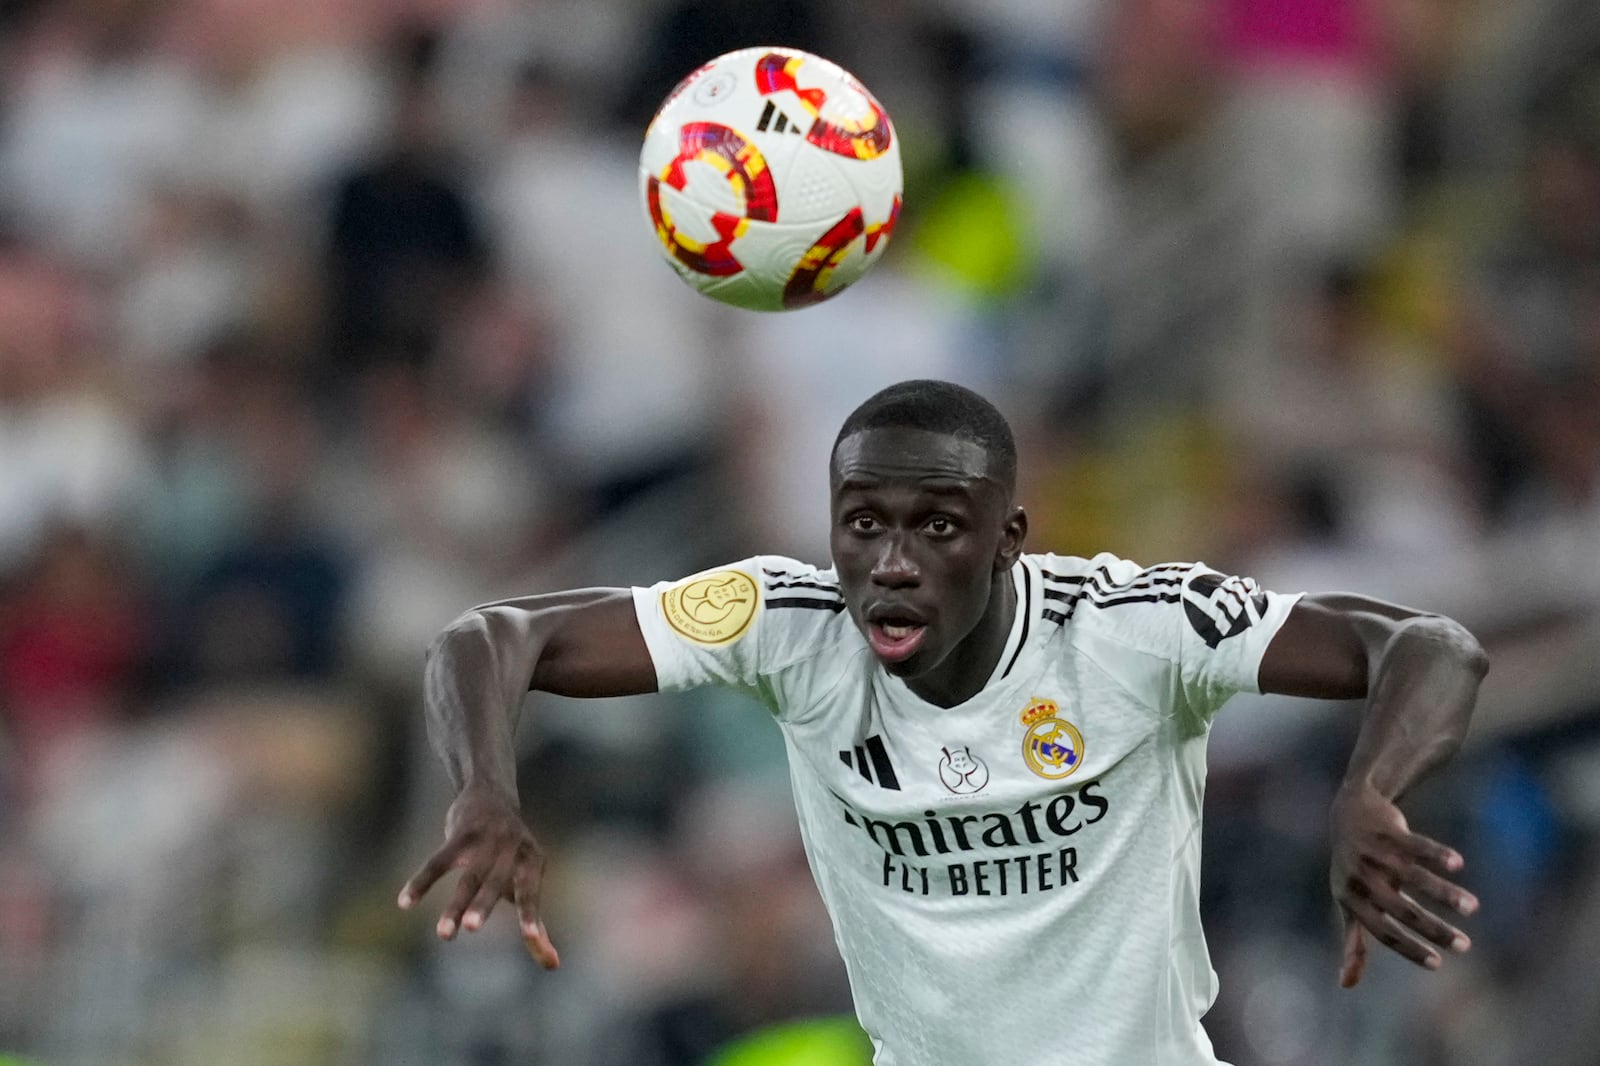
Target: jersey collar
{"x":1021,"y":622}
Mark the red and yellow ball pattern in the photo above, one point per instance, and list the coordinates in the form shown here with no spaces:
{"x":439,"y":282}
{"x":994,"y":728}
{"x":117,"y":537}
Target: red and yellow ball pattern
{"x":771,"y":178}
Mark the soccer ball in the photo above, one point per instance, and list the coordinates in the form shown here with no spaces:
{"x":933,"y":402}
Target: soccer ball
{"x":771,"y":178}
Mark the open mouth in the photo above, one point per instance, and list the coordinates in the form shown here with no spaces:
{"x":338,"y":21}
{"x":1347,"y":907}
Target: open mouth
{"x":896,"y":640}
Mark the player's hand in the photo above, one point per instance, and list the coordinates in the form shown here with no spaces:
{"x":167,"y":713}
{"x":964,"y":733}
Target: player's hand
{"x":1389,"y":881}
{"x":487,"y":840}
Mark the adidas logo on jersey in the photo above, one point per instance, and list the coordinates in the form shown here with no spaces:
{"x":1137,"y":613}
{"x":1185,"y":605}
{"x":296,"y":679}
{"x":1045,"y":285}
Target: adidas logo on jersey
{"x":880,"y":772}
{"x":1220,"y":607}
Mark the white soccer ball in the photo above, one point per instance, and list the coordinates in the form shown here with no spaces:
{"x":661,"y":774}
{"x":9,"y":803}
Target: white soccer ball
{"x":772,"y":178}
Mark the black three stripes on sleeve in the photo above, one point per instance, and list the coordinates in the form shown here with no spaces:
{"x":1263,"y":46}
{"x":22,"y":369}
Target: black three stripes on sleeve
{"x":805,"y":594}
{"x":799,"y":601}
{"x":1100,"y":589}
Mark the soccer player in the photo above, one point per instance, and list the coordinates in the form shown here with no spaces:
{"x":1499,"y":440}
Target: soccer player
{"x":997,"y":758}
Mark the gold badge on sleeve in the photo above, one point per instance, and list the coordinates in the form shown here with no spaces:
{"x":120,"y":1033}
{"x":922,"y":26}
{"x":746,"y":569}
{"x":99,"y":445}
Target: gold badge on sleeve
{"x":715,"y":608}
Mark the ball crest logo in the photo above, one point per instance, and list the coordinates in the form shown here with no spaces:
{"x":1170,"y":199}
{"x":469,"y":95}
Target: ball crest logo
{"x":714,"y":609}
{"x":716,"y":88}
{"x":1052,"y":747}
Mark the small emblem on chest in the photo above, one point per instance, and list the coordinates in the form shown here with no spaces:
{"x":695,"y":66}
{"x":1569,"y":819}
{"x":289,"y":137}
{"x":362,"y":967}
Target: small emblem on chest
{"x":1052,"y":747}
{"x":963,"y":772}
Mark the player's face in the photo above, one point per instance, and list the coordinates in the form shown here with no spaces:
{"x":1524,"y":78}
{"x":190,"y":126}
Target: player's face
{"x":921,"y":528}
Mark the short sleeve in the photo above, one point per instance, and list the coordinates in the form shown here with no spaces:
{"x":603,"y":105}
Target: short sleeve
{"x":762,"y":626}
{"x":705,"y":629}
{"x":1189,"y":637}
{"x":1227,"y":623}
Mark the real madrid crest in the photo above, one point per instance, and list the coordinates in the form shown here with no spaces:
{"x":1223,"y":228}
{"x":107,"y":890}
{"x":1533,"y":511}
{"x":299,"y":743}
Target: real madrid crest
{"x":1052,"y":747}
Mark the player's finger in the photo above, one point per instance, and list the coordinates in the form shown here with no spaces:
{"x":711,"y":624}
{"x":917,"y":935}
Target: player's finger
{"x":1430,"y":886}
{"x":428,"y":874}
{"x":1424,"y":923}
{"x":466,"y":888}
{"x":1355,"y":951}
{"x":1440,"y":858}
{"x":525,"y":883}
{"x":1385,"y":890}
{"x":489,"y":893}
{"x":1391,"y":935}
{"x":525,"y":890}
{"x":540,"y":947}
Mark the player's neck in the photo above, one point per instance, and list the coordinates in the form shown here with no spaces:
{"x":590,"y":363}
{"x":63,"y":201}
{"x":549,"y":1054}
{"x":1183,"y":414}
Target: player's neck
{"x":971,"y":663}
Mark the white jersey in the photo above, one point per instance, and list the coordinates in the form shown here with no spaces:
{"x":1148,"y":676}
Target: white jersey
{"x":1013,"y":879}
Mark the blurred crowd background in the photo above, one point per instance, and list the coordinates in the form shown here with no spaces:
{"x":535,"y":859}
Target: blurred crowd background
{"x":323,"y":320}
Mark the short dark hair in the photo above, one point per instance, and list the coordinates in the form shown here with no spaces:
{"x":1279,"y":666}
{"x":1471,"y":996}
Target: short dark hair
{"x":939,"y":407}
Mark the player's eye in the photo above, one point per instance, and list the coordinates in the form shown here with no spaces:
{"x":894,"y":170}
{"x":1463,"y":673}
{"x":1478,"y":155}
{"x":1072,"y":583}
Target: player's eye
{"x":939,"y":526}
{"x":862,"y":523}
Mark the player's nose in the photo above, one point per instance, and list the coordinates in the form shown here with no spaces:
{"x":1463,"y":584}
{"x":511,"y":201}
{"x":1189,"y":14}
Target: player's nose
{"x":894,"y":567}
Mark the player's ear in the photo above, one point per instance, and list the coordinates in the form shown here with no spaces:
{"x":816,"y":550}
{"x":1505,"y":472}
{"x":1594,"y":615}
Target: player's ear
{"x":1012,"y":533}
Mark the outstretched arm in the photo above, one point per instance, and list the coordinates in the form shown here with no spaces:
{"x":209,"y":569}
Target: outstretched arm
{"x":1419,"y":674}
{"x":581,"y":643}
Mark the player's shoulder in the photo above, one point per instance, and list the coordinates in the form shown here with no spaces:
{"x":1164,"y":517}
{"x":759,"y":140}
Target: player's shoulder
{"x":1101,"y":579}
{"x":803,"y":612}
{"x":796,"y":592}
{"x":794,"y":607}
{"x":1129,"y":601}
{"x":781,"y":576}
{"x":1108,"y":596}
{"x":770,"y":609}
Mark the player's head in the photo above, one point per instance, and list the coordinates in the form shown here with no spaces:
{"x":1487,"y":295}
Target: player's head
{"x":940,"y":407}
{"x":922,"y":481}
